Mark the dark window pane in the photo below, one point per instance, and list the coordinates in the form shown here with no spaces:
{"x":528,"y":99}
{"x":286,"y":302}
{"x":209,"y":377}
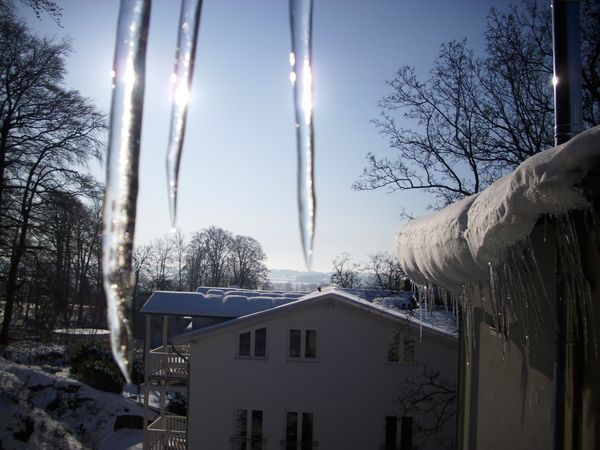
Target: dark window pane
{"x":307,"y":431}
{"x":406,"y":433}
{"x":260,"y":342}
{"x":291,"y":430}
{"x":244,"y":347}
{"x":241,"y":423}
{"x":391,"y":424}
{"x":310,"y":344}
{"x":295,"y":341}
{"x":257,"y":420}
{"x":410,"y":350}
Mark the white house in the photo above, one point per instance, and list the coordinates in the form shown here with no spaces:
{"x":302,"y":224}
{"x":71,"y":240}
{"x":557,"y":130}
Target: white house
{"x":325,"y":371}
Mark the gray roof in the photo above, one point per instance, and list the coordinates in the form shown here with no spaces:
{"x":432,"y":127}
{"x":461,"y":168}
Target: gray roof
{"x":216,"y":302}
{"x":439,"y":323}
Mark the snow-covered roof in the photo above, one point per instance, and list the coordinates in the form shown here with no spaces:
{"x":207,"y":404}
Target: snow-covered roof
{"x":217,"y":302}
{"x":433,"y":321}
{"x":455,"y":246}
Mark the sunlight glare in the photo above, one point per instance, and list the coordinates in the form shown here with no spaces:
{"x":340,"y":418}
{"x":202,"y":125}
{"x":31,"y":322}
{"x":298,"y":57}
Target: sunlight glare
{"x":182,"y":95}
{"x":307,"y":103}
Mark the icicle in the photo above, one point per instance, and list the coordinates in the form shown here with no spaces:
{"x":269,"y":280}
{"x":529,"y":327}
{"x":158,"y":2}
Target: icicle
{"x":189,"y":22}
{"x":122,"y":174}
{"x":301,"y":78}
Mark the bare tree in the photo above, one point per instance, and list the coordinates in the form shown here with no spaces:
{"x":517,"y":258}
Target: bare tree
{"x":218,"y":250}
{"x":431,"y":400}
{"x":161,"y":260}
{"x":476,"y":118}
{"x":346,"y":273}
{"x":47,"y":135}
{"x":385,"y":272}
{"x":179,"y":250}
{"x":196,"y":262}
{"x":247,"y":260}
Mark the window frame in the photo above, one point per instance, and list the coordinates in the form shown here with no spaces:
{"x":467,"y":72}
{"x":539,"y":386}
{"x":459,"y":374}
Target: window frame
{"x":398,"y":433}
{"x":299,"y":443}
{"x":400,"y":338}
{"x":246,"y":439}
{"x":303,"y":346}
{"x":252,"y":353}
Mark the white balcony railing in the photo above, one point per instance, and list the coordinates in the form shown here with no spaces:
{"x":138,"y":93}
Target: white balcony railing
{"x":167,"y":433}
{"x":169,"y":362}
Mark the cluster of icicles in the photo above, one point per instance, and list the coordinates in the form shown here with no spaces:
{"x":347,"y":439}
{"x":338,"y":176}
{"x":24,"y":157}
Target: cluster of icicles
{"x":128,"y":78}
{"x":516,"y":293}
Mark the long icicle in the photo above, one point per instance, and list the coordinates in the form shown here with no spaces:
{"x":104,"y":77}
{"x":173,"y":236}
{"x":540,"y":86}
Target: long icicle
{"x":121,"y":188}
{"x":301,"y":78}
{"x":189,"y":22}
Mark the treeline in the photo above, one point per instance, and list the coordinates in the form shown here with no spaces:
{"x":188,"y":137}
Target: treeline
{"x":381,"y":271}
{"x":50,"y":205}
{"x":211,"y":257}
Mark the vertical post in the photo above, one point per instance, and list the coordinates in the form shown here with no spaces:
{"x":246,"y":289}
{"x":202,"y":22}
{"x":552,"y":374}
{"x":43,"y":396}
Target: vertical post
{"x":566,"y":43}
{"x":146,"y":378}
{"x":568,"y":123}
{"x":464,"y":385}
{"x":165,"y":330}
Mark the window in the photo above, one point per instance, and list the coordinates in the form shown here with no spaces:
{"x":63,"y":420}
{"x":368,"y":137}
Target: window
{"x":391,"y":433}
{"x":409,"y":353}
{"x":248,"y":430}
{"x":402,"y":347}
{"x":299,"y":431}
{"x":253,"y":344}
{"x":303,"y":344}
{"x":406,"y":433}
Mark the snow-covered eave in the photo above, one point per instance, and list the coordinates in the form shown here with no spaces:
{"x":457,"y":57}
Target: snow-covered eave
{"x":306,"y":302}
{"x":456,"y":245}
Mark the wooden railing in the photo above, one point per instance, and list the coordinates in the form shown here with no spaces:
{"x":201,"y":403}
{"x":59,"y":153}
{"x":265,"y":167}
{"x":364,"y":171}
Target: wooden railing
{"x":169,"y":362}
{"x":298,"y":445}
{"x":247,"y":443}
{"x":167,"y":433}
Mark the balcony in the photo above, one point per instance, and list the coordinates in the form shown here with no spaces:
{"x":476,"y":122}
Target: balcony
{"x":298,"y":445}
{"x":167,"y":433}
{"x":168,"y":362}
{"x":247,"y":443}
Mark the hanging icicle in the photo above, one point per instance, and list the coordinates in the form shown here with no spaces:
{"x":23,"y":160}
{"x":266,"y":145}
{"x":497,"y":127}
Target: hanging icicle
{"x":189,"y":22}
{"x":122,"y":174}
{"x":301,"y":78}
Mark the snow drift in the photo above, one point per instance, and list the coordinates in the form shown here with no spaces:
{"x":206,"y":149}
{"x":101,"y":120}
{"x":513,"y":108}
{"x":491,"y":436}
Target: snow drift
{"x":456,"y":245}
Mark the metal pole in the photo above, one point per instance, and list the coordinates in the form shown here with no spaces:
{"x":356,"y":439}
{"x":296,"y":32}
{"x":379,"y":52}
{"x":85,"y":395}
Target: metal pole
{"x":568,"y":123}
{"x":567,"y":69}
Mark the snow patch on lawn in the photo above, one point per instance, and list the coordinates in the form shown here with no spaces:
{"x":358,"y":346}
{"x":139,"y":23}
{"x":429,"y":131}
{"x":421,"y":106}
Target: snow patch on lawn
{"x":46,"y":411}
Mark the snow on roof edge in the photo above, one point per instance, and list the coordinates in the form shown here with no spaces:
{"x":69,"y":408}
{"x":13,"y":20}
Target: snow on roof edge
{"x":305,"y":301}
{"x":455,"y":246}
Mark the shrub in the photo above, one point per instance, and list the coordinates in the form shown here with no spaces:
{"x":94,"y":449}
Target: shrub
{"x":96,"y":367}
{"x":178,"y":405}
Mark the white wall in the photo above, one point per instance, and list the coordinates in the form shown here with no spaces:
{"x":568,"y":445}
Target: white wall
{"x":349,"y":390}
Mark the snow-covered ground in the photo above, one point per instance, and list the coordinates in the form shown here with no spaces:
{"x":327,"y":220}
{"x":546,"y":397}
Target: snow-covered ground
{"x":42,"y":408}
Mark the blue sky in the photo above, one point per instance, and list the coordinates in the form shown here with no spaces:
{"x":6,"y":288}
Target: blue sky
{"x":238,"y":166}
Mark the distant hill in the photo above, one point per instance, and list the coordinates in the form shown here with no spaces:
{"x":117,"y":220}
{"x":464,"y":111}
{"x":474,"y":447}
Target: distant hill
{"x":296,"y":280}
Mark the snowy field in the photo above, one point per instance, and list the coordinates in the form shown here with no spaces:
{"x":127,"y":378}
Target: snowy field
{"x":41,"y":407}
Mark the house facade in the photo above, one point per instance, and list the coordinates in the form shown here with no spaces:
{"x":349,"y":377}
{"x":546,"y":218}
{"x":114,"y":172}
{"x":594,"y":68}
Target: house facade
{"x":327,"y":371}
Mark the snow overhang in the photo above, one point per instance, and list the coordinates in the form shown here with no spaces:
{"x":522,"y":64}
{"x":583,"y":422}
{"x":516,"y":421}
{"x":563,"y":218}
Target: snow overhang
{"x":456,"y":245}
